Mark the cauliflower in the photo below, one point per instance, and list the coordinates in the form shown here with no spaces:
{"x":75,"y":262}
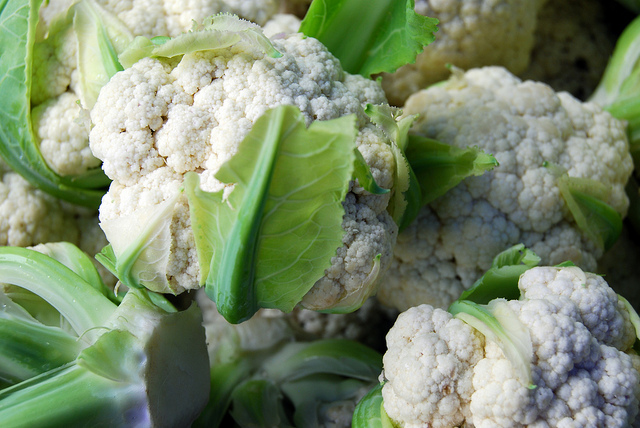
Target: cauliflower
{"x":524,"y":125}
{"x":152,"y":18}
{"x":470,"y":34}
{"x":58,"y":119}
{"x":160,"y":119}
{"x":281,"y":23}
{"x":442,"y":373}
{"x":29,"y":216}
{"x":428,"y":367}
{"x":62,"y":126}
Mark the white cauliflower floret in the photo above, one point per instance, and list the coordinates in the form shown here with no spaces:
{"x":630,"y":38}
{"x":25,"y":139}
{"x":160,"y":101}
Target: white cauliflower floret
{"x":580,"y":336}
{"x":64,"y":145}
{"x":470,"y":34}
{"x":55,"y":69}
{"x":150,"y":18}
{"x":62,"y":129}
{"x":160,"y":119}
{"x":524,"y":125}
{"x":582,"y":365}
{"x":29,"y":216}
{"x":428,"y":368}
{"x":281,"y":23}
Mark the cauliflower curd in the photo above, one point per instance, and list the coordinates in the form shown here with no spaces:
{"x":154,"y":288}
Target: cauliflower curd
{"x":442,"y":373}
{"x":524,"y":125}
{"x":159,"y":119}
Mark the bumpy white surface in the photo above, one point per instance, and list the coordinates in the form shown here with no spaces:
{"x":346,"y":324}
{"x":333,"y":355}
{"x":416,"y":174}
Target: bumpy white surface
{"x":62,"y":128}
{"x":580,"y":334}
{"x":29,"y":216}
{"x":429,"y":367}
{"x":158,"y":120}
{"x":64,"y":145}
{"x":471,"y":33}
{"x":586,"y":374}
{"x":152,"y":18}
{"x":523,"y":124}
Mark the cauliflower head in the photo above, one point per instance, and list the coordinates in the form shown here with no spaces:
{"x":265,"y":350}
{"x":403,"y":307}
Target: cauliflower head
{"x":470,"y":34}
{"x":428,"y":368}
{"x":583,"y":367}
{"x":59,"y":121}
{"x":524,"y":125}
{"x":150,"y":18}
{"x":160,"y":119}
{"x":29,"y":216}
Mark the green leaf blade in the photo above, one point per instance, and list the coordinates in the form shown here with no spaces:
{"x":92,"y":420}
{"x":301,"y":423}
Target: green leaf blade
{"x":501,"y":280}
{"x":382,"y":39}
{"x":370,"y":413}
{"x":18,"y":146}
{"x":586,"y":200}
{"x":439,"y":167}
{"x":284,"y":213}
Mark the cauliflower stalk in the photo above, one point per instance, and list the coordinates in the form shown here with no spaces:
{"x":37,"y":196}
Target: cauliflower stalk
{"x":571,"y":359}
{"x":178,"y":134}
{"x":559,"y":187}
{"x":73,"y":353}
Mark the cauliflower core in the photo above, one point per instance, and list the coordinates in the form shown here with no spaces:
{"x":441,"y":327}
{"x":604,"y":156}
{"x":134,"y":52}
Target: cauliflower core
{"x":441,"y":373}
{"x":523,"y":124}
{"x":160,"y":119}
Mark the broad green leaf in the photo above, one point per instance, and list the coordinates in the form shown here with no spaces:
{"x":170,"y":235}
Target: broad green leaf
{"x":29,"y":348}
{"x":587,"y":201}
{"x":370,"y":413}
{"x":272,"y":239}
{"x":258,"y":403}
{"x":58,"y":285}
{"x":621,"y":66}
{"x":386,"y":35}
{"x":634,"y":318}
{"x":497,"y":322}
{"x":100,"y":35}
{"x":364,"y":176}
{"x":79,"y":262}
{"x":18,"y":145}
{"x":216,"y":32}
{"x":439,"y":167}
{"x":619,"y":88}
{"x":141,"y":245}
{"x":501,"y":280}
